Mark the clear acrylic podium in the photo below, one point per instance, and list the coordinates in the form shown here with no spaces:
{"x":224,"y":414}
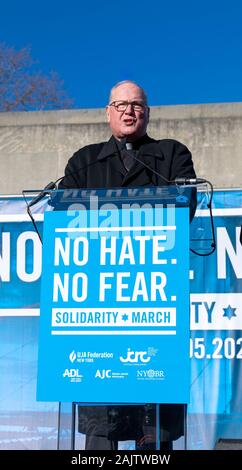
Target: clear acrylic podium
{"x":201,"y":234}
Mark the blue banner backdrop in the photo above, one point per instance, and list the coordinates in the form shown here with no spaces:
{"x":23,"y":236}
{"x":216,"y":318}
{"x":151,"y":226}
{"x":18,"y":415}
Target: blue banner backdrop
{"x":215,"y":408}
{"x":112,"y":313}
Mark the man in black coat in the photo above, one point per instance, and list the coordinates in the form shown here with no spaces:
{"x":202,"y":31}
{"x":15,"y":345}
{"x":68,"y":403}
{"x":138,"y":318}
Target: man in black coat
{"x":110,"y":165}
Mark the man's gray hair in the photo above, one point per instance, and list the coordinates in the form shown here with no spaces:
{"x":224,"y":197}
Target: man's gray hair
{"x":128,"y":81}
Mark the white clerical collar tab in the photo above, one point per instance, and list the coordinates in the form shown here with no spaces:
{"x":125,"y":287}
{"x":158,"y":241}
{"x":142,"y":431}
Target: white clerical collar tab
{"x":129,"y":145}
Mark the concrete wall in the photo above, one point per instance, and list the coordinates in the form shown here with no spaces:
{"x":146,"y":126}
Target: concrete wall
{"x":35,"y":146}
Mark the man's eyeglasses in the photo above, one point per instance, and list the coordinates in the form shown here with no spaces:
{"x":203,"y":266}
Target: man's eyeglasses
{"x":121,"y":106}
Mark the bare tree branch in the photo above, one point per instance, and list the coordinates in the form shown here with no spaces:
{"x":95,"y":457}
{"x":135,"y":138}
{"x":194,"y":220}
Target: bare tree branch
{"x":22,"y":88}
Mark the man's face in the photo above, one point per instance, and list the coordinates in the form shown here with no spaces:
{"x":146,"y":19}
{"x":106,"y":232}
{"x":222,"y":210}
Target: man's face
{"x":131,"y":122}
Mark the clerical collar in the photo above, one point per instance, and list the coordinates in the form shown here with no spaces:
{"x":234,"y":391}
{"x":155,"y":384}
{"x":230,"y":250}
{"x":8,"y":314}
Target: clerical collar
{"x":136,"y":144}
{"x":129,"y":145}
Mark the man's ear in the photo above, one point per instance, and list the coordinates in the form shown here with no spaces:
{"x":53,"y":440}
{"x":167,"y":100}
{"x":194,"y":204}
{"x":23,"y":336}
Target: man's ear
{"x":148,"y":113}
{"x":107,"y":113}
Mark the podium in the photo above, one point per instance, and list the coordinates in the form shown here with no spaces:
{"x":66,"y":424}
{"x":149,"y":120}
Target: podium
{"x":114,"y":326}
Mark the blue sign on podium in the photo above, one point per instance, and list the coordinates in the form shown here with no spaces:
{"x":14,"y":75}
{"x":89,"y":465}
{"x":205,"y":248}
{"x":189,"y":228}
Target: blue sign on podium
{"x":114,"y":321}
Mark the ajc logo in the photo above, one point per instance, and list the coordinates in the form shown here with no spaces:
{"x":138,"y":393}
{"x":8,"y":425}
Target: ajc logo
{"x":103,"y":374}
{"x":136,"y":356}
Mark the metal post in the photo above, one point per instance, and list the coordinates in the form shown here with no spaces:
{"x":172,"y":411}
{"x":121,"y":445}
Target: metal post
{"x":59,"y":424}
{"x":157,"y":426}
{"x":73,"y":425}
{"x":185,"y":426}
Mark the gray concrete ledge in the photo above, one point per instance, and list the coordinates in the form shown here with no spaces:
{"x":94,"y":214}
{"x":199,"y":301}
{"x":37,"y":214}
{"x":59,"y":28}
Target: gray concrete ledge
{"x":92,"y":116}
{"x":35,"y":146}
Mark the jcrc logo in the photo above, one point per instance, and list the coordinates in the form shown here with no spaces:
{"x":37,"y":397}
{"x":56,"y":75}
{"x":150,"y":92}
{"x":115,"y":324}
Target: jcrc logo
{"x":133,"y":357}
{"x":72,"y":356}
{"x":103,"y":374}
{"x":72,"y":373}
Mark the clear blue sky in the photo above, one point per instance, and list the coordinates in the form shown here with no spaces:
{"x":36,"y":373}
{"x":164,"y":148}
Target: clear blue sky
{"x":180,"y":51}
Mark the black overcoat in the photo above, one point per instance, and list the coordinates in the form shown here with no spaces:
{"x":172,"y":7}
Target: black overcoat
{"x":100,"y":166}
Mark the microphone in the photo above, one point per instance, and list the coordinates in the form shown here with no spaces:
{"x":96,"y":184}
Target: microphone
{"x":47,"y":188}
{"x":186,"y":180}
{"x":123,"y":146}
{"x":53,"y":185}
{"x":179,"y":181}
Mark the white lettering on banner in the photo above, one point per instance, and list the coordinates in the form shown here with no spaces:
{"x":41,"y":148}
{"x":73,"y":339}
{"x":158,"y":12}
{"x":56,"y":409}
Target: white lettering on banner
{"x":216,"y":311}
{"x":225,"y":247}
{"x":150,"y":373}
{"x":21,"y":264}
{"x":135,"y":357}
{"x":127,"y":253}
{"x":80,"y":245}
{"x":104,"y":249}
{"x":5,"y":258}
{"x":63,"y":283}
{"x":63,"y":250}
{"x":122,"y":317}
{"x":79,"y":255}
{"x":138,"y":289}
{"x":103,"y":285}
{"x":120,"y":287}
{"x":102,"y":374}
{"x":72,"y":373}
{"x":227,"y":250}
{"x":25,"y":252}
{"x":61,"y":286}
{"x":79,"y":284}
{"x":158,"y":249}
{"x":216,"y":347}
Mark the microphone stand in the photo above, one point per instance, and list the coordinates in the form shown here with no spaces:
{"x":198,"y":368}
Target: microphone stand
{"x":50,"y":186}
{"x":184,"y":181}
{"x":179,"y":181}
